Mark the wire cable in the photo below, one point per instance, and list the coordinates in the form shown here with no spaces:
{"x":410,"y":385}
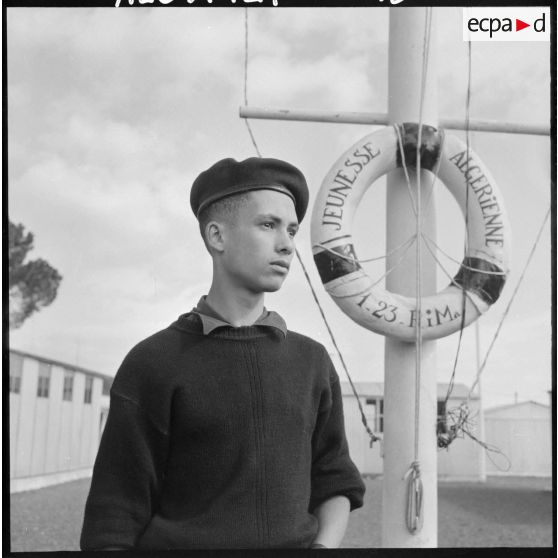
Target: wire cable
{"x":246,"y":81}
{"x":373,"y":437}
{"x":404,"y":244}
{"x":415,"y":493}
{"x":506,"y":311}
{"x":465,"y":242}
{"x":468,"y":268}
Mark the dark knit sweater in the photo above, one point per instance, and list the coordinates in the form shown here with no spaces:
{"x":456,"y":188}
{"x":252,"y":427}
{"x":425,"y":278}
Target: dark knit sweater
{"x":227,"y":440}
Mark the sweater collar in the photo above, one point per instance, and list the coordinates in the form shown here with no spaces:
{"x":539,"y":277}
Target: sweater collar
{"x":212,"y":320}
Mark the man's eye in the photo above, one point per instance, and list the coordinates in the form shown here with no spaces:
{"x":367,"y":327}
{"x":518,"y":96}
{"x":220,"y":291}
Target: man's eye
{"x":268,"y":225}
{"x":292,"y":233}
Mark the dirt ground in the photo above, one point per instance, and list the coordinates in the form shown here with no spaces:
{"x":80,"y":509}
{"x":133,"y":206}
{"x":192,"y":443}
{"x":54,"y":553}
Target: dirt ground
{"x":509,"y":512}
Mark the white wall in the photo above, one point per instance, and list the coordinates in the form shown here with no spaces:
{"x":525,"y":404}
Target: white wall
{"x":462,"y":461}
{"x":50,"y":436}
{"x":368,"y":460}
{"x":523,"y":434}
{"x":23,"y":420}
{"x":463,"y":458}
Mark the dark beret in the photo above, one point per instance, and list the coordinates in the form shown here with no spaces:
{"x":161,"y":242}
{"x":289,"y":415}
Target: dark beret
{"x":228,"y":177}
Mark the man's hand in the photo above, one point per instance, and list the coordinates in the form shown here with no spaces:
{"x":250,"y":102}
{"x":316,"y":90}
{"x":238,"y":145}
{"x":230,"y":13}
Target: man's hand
{"x":332,"y":515}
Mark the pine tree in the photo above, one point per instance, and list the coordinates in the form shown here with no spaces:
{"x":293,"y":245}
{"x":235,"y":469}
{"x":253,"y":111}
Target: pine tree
{"x":32,"y":284}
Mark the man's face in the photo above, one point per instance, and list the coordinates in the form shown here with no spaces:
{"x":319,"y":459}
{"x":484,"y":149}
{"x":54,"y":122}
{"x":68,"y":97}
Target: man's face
{"x":258,"y":242}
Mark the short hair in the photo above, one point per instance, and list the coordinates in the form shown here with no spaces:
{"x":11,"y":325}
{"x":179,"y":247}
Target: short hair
{"x":224,"y":209}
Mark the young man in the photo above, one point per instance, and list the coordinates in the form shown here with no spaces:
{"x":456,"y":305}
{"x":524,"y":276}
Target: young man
{"x":225,"y":429}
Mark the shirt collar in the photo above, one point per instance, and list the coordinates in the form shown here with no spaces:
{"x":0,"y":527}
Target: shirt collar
{"x":211,"y":320}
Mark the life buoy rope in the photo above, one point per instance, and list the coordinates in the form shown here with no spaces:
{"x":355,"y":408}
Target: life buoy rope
{"x":483,"y":271}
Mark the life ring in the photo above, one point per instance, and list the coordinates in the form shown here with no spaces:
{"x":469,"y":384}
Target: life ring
{"x":483,"y":271}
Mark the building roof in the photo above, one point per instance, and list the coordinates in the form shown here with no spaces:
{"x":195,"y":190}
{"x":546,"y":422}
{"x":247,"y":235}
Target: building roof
{"x":376,"y":389}
{"x":66,"y":365}
{"x":515,"y":405}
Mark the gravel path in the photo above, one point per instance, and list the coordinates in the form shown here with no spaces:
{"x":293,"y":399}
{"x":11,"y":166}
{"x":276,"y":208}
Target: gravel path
{"x":501,"y":512}
{"x":515,"y":512}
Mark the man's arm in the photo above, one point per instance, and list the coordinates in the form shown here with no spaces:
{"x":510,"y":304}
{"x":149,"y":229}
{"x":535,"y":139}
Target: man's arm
{"x":127,"y":478}
{"x":337,"y":486}
{"x":332,"y":515}
{"x":129,"y":467}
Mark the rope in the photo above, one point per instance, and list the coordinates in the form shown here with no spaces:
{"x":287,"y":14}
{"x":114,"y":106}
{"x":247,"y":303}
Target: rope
{"x":373,"y":437}
{"x":408,"y":180}
{"x":413,"y":475}
{"x":367,"y":260}
{"x":484,"y":271}
{"x":452,"y":279}
{"x":246,"y":81}
{"x":460,"y":417}
{"x":367,"y":289}
{"x":465,"y":242}
{"x":506,"y":311}
{"x":414,"y":516}
{"x":408,"y":242}
{"x":388,"y":271}
{"x":435,"y":174}
{"x":405,"y":171}
{"x":459,"y":428}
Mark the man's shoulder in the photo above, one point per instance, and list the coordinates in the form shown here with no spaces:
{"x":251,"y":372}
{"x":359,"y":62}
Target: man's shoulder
{"x":154,"y":359}
{"x":165,"y":340}
{"x":305,"y":342}
{"x":154,"y":341}
{"x":311,"y":354}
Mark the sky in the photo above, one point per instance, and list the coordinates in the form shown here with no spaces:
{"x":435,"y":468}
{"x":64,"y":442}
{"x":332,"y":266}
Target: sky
{"x":112,"y":113}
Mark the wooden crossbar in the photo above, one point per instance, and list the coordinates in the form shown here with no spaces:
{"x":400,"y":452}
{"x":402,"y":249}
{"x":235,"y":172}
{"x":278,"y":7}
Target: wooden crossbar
{"x":381,"y":119}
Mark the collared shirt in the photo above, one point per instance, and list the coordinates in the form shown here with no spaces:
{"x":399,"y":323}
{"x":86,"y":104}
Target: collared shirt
{"x":212,"y":320}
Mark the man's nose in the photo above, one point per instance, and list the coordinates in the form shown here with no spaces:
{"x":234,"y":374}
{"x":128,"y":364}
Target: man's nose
{"x":285,"y":242}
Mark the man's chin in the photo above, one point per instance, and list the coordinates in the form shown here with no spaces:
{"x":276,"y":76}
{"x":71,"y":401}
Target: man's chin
{"x":273,"y":285}
{"x":272,"y":289}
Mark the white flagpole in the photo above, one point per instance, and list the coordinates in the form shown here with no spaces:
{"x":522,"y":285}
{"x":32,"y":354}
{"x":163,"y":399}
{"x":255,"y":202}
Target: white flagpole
{"x":406,"y":46}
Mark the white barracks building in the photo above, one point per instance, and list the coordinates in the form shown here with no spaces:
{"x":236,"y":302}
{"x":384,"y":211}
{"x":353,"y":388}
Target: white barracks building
{"x":57,"y":413}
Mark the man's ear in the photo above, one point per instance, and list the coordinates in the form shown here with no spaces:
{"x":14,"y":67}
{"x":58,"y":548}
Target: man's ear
{"x":214,"y":234}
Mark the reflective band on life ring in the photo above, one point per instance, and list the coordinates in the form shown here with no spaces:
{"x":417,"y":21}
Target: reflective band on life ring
{"x":483,"y":271}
